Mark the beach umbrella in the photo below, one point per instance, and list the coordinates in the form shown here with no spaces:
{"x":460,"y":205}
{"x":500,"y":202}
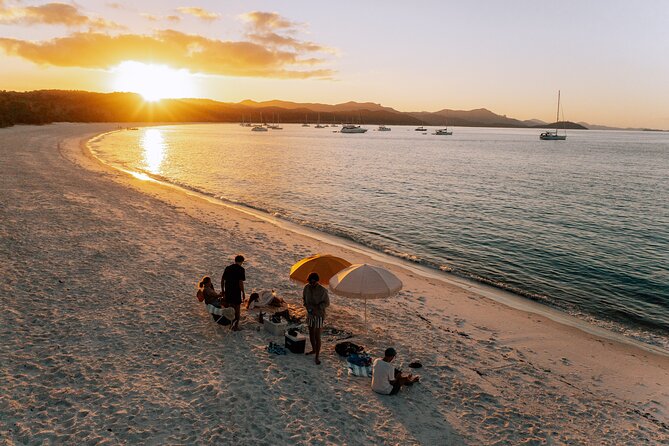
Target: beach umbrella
{"x":364,"y":281}
{"x":325,"y":265}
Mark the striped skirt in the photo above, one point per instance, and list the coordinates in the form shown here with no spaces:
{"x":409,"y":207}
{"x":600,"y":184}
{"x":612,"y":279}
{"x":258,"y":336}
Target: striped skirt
{"x":314,"y":321}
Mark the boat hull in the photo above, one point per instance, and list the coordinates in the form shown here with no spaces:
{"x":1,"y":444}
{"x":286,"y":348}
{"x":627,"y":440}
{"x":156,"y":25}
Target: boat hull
{"x":552,"y":137}
{"x":358,"y":130}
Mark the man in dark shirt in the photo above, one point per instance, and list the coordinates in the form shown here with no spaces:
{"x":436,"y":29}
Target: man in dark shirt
{"x":232,"y":284}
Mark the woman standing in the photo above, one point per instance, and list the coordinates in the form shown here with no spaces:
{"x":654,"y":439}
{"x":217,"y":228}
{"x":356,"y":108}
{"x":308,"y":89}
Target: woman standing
{"x":316,"y":300}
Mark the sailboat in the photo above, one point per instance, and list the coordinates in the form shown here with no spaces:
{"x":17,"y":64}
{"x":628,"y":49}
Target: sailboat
{"x":276,"y":125}
{"x":553,"y":135}
{"x":319,"y":126}
{"x":259,"y":127}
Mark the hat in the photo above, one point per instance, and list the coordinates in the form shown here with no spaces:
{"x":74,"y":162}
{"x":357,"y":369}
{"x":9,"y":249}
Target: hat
{"x":390,"y":352}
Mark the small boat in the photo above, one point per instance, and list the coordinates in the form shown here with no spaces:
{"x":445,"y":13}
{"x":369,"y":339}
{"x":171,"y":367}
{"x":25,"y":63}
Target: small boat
{"x":442,"y":132}
{"x":319,"y":126}
{"x":306,"y":122}
{"x":276,"y":125}
{"x":553,"y":135}
{"x":258,"y":128}
{"x":383,"y":128}
{"x":349,"y":128}
{"x":420,"y":129}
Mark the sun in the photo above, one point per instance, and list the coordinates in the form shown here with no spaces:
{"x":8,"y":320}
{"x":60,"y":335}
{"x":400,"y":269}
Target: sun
{"x":154,"y":82}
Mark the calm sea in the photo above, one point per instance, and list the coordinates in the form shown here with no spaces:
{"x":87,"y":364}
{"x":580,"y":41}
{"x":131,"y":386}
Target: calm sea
{"x":582,"y":224}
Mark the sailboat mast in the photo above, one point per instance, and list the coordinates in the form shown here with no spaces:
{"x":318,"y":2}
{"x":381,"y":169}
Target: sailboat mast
{"x":557,"y":116}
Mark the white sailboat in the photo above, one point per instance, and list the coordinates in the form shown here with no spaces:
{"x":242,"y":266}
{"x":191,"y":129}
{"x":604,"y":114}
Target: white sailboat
{"x":553,"y":135}
{"x":319,"y":126}
{"x":259,"y":127}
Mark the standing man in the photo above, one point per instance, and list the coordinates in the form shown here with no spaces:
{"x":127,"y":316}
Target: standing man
{"x":232,"y":284}
{"x":316,"y":300}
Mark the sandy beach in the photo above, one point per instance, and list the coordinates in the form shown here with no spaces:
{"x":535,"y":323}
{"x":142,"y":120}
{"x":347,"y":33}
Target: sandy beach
{"x":104,"y":342}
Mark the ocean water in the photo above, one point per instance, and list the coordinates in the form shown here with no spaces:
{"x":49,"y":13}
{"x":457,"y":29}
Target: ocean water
{"x":581,"y":225}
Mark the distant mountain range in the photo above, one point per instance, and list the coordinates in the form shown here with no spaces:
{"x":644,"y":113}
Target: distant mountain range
{"x":46,"y":106}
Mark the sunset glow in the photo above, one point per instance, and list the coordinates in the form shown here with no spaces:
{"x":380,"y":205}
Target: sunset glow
{"x":154,"y":149}
{"x":507,"y":58}
{"x":153,"y":82}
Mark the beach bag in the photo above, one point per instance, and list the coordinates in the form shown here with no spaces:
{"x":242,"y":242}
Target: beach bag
{"x":200,"y":295}
{"x":347,"y":348}
{"x":362,"y":359}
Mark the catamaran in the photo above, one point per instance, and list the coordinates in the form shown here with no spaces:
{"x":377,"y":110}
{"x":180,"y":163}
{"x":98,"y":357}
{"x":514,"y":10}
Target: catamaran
{"x":553,"y":135}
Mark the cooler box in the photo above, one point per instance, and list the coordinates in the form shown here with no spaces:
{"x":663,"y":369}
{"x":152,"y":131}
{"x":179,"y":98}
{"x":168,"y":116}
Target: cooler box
{"x":296,"y":343}
{"x":276,"y":329}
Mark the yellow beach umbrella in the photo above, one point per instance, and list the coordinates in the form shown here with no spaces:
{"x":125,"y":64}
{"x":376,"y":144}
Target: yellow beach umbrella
{"x":325,"y":265}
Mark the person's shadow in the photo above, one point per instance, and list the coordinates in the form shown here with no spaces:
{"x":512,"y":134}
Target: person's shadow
{"x":421,"y":414}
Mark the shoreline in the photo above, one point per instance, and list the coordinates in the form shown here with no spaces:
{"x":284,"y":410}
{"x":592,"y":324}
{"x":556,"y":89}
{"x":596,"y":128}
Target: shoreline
{"x":500,"y":295}
{"x":126,"y":354}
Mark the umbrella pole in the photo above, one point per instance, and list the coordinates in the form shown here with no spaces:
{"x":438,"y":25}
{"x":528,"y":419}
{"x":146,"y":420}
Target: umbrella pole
{"x":365,"y":315}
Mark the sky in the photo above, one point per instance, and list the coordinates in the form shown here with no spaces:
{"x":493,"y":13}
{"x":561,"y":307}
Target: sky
{"x":607,"y":57}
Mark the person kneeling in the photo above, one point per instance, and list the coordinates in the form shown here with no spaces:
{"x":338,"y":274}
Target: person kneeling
{"x":386,"y":379}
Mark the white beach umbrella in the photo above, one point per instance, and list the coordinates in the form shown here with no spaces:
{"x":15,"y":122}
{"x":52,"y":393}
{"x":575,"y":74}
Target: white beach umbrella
{"x":364,"y":281}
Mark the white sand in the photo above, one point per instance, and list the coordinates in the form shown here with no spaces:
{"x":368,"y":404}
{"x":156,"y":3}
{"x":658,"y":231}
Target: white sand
{"x":103,"y":340}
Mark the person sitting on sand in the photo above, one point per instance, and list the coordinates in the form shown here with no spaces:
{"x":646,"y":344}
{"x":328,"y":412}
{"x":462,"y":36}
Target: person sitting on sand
{"x":386,"y":379}
{"x":263,"y":299}
{"x":316,"y":300}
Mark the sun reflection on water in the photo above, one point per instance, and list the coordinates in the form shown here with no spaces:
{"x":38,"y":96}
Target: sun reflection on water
{"x":153,"y":144}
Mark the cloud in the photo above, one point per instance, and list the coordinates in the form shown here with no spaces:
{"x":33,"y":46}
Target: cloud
{"x":52,"y":14}
{"x":274,"y":30}
{"x":267,"y":21}
{"x":156,"y":18}
{"x":150,"y":17}
{"x":200,"y":13}
{"x":172,"y":48}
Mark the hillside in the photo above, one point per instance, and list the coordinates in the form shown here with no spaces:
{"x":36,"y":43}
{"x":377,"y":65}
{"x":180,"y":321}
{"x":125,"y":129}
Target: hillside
{"x":467,"y":118}
{"x":560,"y":125}
{"x":46,"y":106}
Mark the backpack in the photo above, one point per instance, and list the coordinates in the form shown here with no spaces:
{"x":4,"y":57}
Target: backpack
{"x":200,"y":295}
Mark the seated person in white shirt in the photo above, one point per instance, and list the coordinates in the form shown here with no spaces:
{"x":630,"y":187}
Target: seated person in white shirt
{"x":386,"y":379}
